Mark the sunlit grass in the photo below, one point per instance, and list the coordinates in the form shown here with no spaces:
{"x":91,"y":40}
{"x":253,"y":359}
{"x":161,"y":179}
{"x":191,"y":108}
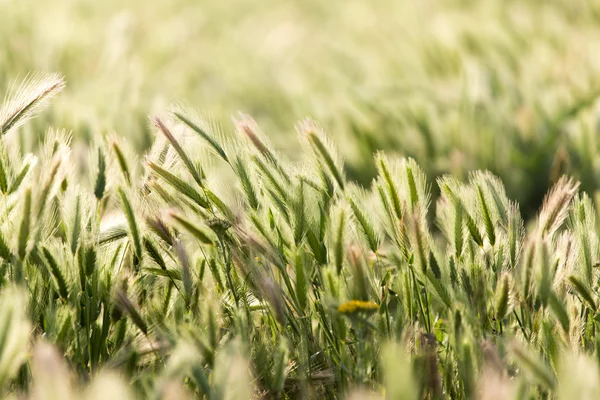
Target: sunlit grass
{"x":431,"y":232}
{"x":288,"y":280}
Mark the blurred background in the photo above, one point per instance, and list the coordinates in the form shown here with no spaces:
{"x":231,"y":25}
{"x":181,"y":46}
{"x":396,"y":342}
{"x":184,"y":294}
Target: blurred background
{"x":509,"y":86}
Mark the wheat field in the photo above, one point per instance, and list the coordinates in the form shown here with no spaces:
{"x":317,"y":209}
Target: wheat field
{"x":358,"y":200}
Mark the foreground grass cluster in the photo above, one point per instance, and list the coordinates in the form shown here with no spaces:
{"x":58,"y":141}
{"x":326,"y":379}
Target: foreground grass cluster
{"x":217,"y":268}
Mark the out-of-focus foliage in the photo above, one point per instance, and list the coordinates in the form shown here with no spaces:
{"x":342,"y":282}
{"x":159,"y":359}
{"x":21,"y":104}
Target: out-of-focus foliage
{"x":508,"y":86}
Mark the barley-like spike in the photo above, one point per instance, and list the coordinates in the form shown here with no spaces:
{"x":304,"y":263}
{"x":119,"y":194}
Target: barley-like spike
{"x":328,"y":186}
{"x":153,"y":186}
{"x":247,"y":126}
{"x":131,"y":222}
{"x":365,"y":225}
{"x":219,"y":204}
{"x":195,"y":231}
{"x":280,"y":204}
{"x":75,"y":236}
{"x":63,"y":290}
{"x":5,"y":251}
{"x":502,"y":297}
{"x":242,"y":172}
{"x":440,"y":291}
{"x":383,"y":197}
{"x":317,"y":246}
{"x":435,"y":267}
{"x":390,"y":184}
{"x":582,"y":222}
{"x":515,"y":234}
{"x":180,"y":151}
{"x":299,"y":214}
{"x":422,"y":252}
{"x":466,"y":283}
{"x":112,"y":234}
{"x":154,"y":253}
{"x":101,"y":177}
{"x":80,"y":259}
{"x":46,"y":188}
{"x":18,"y":180}
{"x":403,"y":240}
{"x":263,"y":231}
{"x":186,"y":275}
{"x":126,"y":306}
{"x":545,"y":279}
{"x":310,"y":130}
{"x":556,"y":205}
{"x":3,"y":177}
{"x":25,"y":225}
{"x":180,"y":185}
{"x":90,"y":260}
{"x":458,"y":229}
{"x":360,"y":276}
{"x":473,"y":230}
{"x":412,"y":187}
{"x":122,"y":162}
{"x":301,"y":287}
{"x":583,"y":290}
{"x":584,"y":239}
{"x":339,"y":242}
{"x":160,"y":229}
{"x":494,"y":186}
{"x":453,"y":272}
{"x":487,"y":219}
{"x":215,"y":271}
{"x":33,"y":93}
{"x":392,"y":224}
{"x":275,"y":183}
{"x":208,"y":138}
{"x":527,"y":270}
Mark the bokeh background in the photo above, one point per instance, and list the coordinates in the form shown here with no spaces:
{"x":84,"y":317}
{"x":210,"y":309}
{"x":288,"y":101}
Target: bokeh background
{"x":509,"y":86}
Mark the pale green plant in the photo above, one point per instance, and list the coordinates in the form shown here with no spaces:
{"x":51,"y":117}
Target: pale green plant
{"x":218,"y":268}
